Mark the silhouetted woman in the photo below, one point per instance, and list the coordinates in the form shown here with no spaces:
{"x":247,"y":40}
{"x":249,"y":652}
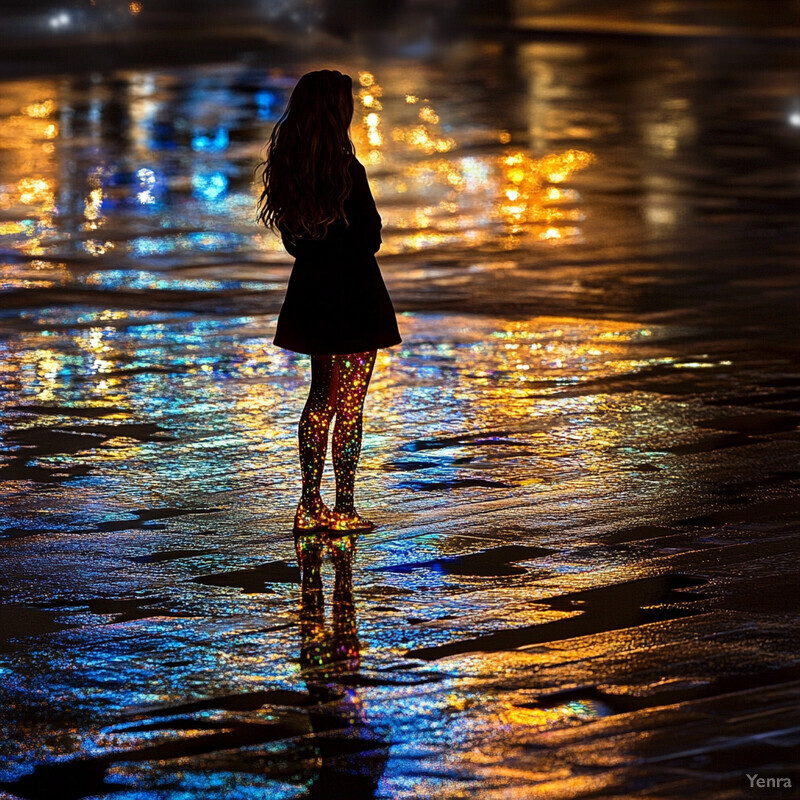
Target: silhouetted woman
{"x":336,"y":309}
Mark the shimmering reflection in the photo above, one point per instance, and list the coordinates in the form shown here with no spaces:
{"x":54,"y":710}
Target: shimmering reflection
{"x":324,"y":653}
{"x":478,"y":199}
{"x":157,"y":433}
{"x":545,"y":469}
{"x":91,"y":173}
{"x":328,"y":654}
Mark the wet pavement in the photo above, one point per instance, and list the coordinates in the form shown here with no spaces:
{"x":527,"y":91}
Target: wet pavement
{"x":583,"y":458}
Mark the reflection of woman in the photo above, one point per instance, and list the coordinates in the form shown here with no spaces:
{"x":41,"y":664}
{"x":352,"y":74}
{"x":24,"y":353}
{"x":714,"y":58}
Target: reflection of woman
{"x":336,"y":309}
{"x":328,"y":652}
{"x":327,"y":657}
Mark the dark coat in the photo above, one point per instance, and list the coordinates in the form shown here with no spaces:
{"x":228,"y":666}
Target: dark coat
{"x":336,"y":301}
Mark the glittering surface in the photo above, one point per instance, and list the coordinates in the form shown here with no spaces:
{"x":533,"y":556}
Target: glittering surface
{"x":582,"y":459}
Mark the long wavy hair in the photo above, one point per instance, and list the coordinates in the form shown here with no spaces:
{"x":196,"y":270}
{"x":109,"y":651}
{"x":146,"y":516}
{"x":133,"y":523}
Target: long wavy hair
{"x":306,"y":170}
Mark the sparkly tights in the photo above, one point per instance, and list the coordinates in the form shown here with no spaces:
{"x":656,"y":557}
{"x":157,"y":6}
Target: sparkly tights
{"x":338,"y":387}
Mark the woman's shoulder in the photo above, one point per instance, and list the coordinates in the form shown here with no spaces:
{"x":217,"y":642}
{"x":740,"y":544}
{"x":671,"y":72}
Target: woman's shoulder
{"x":359,"y":179}
{"x":356,"y":167}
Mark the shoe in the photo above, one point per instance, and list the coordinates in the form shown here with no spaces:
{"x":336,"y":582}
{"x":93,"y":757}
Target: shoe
{"x":308,"y":522}
{"x":342,"y":521}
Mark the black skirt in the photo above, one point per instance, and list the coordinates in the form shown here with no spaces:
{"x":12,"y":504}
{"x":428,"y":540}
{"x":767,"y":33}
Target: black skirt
{"x":336,"y":301}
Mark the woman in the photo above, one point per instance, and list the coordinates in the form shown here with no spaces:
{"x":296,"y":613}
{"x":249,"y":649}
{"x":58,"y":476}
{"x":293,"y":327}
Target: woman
{"x":336,"y":309}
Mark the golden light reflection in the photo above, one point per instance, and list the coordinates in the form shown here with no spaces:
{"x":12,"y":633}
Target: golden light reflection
{"x":47,"y":365}
{"x":92,"y":212}
{"x":37,"y":192}
{"x":28,"y":192}
{"x":94,"y":341}
{"x":35,"y":274}
{"x":92,"y":206}
{"x":33,"y":191}
{"x":513,"y":190}
{"x":370,"y":96}
{"x":28,"y":130}
{"x":525,"y":194}
{"x":575,"y":712}
{"x":40,"y":110}
{"x":368,"y":134}
{"x":421,"y":138}
{"x":94,"y":247}
{"x":427,"y":114}
{"x":480,"y":198}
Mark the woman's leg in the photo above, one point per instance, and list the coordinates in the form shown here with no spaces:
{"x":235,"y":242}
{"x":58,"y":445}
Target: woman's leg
{"x":312,"y":432}
{"x":353,"y":373}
